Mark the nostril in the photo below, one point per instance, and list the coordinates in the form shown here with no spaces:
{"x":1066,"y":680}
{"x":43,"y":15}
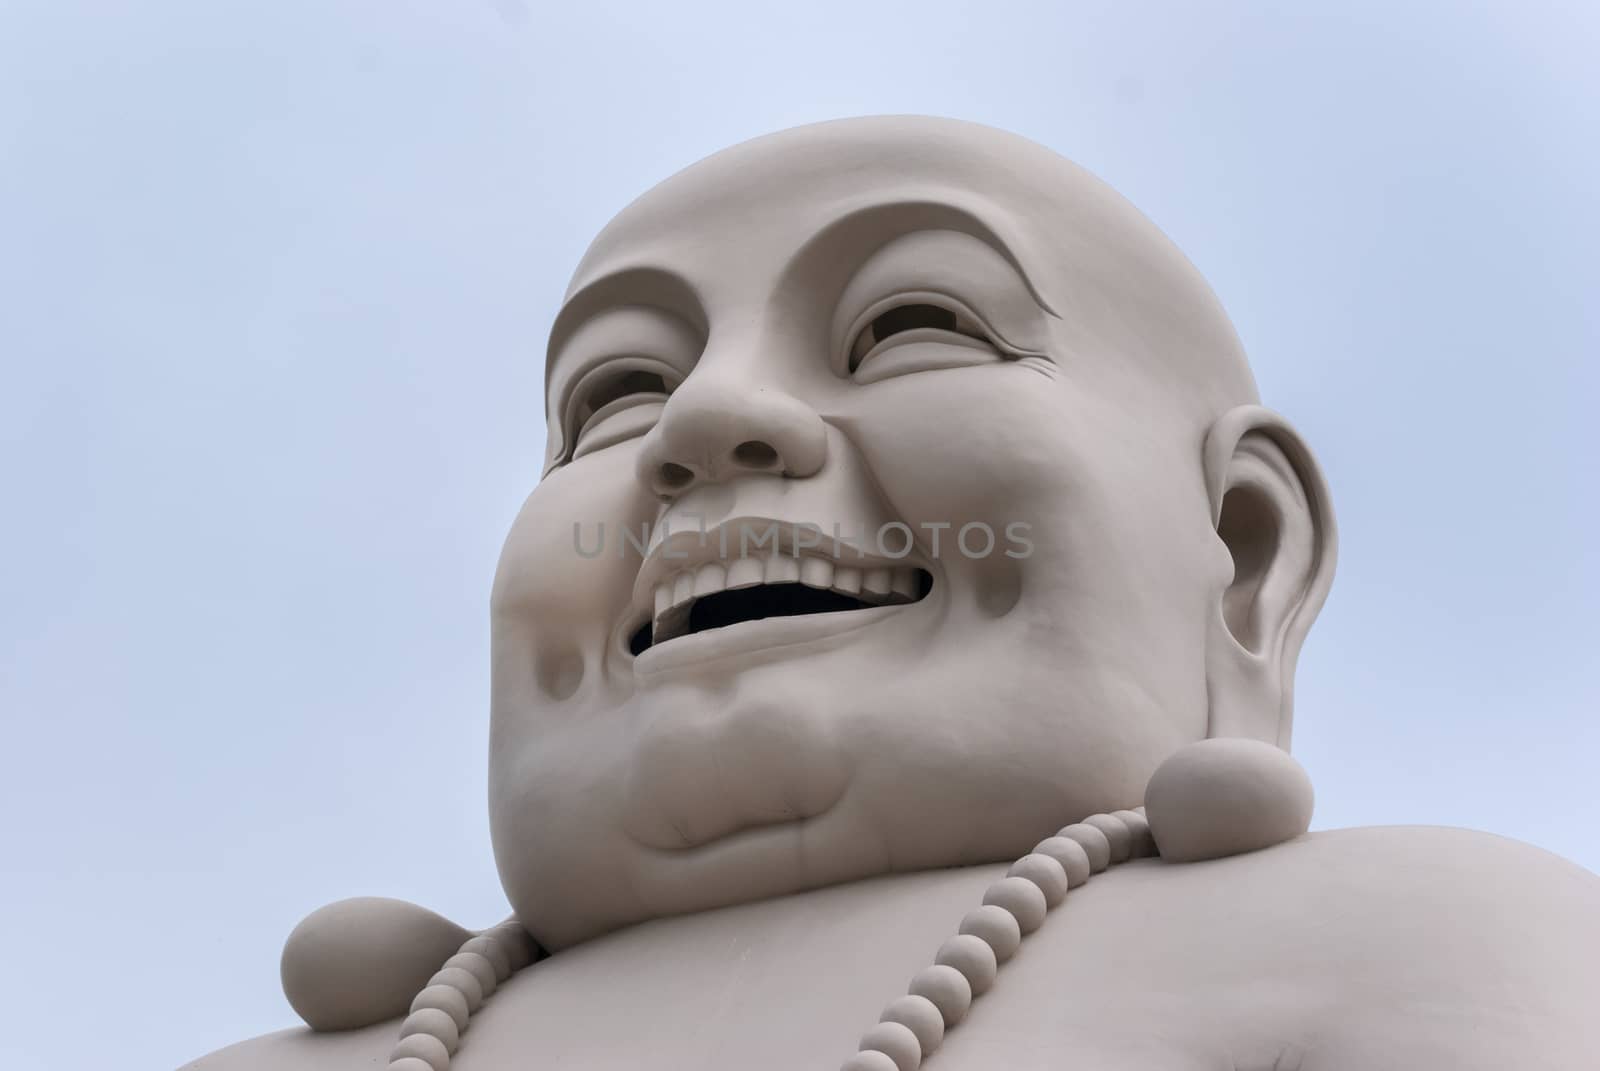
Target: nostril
{"x":674,"y":476}
{"x":755,"y":454}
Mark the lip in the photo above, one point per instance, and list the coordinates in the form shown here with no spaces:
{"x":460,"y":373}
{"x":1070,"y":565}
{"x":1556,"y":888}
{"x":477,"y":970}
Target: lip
{"x":684,"y":551}
{"x":769,"y":637}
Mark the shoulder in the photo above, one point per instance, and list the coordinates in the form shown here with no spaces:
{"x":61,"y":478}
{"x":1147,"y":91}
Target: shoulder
{"x":1454,"y":909}
{"x":1444,"y":884}
{"x":1505,"y":911}
{"x":1402,"y":947}
{"x":302,"y":1049}
{"x":1452,"y":885}
{"x":1465,"y":949}
{"x":1373,"y":948}
{"x":1412,"y":854}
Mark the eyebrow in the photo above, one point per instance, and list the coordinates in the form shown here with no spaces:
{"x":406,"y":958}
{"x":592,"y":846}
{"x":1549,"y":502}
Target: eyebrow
{"x":654,"y":287}
{"x":886,"y":221}
{"x":882,"y":221}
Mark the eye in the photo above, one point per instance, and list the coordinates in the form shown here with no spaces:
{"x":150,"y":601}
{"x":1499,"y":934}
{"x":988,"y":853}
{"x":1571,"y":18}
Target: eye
{"x":616,"y":387}
{"x":916,"y":321}
{"x":613,"y":404}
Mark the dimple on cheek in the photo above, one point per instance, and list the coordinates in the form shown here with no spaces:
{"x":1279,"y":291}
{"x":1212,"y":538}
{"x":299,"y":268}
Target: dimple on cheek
{"x":567,"y":571}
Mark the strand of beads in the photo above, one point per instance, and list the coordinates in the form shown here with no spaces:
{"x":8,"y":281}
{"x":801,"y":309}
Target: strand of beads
{"x":439,"y":1014}
{"x":966,"y":965}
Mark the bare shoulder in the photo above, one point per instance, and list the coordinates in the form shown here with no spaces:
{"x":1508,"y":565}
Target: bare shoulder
{"x":1464,"y":949}
{"x":1482,"y":912}
{"x":1387,"y":947}
{"x":1406,"y":888}
{"x":1452,"y":887}
{"x":1380,"y":948}
{"x":302,"y":1049}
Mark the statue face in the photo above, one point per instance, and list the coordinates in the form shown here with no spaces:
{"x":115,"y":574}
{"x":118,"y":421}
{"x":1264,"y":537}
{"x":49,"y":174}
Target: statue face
{"x":961,"y":387}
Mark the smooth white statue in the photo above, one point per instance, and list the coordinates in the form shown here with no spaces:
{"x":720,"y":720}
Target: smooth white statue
{"x":912,"y":549}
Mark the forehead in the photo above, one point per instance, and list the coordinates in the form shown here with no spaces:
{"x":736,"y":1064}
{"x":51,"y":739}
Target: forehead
{"x":715,"y":240}
{"x":736,"y":218}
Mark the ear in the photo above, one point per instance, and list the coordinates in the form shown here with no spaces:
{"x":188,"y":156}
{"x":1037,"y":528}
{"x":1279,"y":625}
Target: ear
{"x":1274,"y":520}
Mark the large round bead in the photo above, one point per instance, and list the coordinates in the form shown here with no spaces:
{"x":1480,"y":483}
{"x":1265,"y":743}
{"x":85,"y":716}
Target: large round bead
{"x":445,"y":998}
{"x":973,"y":957}
{"x":948,"y":990}
{"x":435,"y":1022}
{"x":896,"y":1041}
{"x":1139,"y":829}
{"x":1022,"y":898}
{"x":1118,"y":837}
{"x":870,"y":1060}
{"x":920,"y":1016}
{"x":516,"y":941}
{"x":463,"y":981}
{"x":425,"y":1047}
{"x":1092,"y":841}
{"x":358,"y":962}
{"x":490,"y":949}
{"x":1070,"y":854}
{"x":1226,"y":796}
{"x":997,"y":927}
{"x":479,"y":967}
{"x":1045,"y":872}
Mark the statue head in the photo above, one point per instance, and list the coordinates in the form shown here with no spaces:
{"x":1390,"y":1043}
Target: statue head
{"x":907,"y":497}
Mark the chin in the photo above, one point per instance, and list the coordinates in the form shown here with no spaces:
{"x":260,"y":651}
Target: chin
{"x":778,"y":782}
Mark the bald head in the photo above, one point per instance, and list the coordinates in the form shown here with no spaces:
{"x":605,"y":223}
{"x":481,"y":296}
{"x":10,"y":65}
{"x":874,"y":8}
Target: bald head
{"x":1012,"y":404}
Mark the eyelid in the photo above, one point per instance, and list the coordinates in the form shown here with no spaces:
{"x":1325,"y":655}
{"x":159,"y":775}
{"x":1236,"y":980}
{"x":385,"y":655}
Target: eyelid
{"x":608,"y":369}
{"x":951,"y":351}
{"x":606,"y":417}
{"x":598,"y":373}
{"x":943,"y":263}
{"x":927,"y":297}
{"x":645,"y":336}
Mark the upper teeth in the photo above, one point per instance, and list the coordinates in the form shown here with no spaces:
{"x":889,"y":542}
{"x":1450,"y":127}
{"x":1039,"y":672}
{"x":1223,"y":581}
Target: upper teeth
{"x":879,"y":584}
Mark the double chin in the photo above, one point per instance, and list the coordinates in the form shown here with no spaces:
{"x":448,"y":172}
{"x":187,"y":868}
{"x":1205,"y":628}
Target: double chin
{"x":698,"y":777}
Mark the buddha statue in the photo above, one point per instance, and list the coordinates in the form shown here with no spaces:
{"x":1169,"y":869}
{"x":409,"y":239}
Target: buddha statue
{"x":894,"y":667}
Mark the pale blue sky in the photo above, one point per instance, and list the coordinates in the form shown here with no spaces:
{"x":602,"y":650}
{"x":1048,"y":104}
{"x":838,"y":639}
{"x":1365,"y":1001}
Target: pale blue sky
{"x":274,"y":281}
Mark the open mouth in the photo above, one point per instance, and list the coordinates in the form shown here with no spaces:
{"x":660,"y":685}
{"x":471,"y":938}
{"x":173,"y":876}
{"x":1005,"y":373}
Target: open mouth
{"x":751,"y":589}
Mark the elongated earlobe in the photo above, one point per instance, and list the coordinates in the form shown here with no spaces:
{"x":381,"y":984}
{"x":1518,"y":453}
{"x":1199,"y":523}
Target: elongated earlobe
{"x":1274,"y":519}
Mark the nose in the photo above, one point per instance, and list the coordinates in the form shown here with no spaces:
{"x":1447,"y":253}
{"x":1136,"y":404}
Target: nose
{"x":718,"y":429}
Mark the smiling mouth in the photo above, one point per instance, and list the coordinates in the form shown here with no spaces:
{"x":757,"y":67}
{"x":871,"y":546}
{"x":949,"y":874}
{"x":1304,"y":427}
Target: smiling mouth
{"x":754,"y":589}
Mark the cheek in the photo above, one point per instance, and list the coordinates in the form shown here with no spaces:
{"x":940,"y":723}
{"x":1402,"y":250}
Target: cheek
{"x":1113,"y":498}
{"x":990,"y":444}
{"x":555,"y":609}
{"x":565,"y":578}
{"x":984,"y":464}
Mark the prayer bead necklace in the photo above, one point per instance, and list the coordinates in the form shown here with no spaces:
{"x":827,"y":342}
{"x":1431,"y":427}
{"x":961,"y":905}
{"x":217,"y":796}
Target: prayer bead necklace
{"x":911,"y":1027}
{"x":1210,"y":799}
